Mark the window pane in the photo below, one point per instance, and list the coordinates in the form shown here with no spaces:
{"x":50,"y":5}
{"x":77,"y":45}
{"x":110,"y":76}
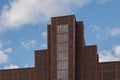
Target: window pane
{"x":62,"y":65}
{"x":62,"y":28}
{"x":62,"y":56}
{"x":62,"y":38}
{"x":62,"y":74}
{"x":62,"y":47}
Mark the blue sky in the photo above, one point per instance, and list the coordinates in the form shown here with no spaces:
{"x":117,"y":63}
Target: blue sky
{"x":23,"y":27}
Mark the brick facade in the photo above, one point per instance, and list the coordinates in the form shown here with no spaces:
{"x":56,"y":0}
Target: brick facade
{"x":82,"y":62}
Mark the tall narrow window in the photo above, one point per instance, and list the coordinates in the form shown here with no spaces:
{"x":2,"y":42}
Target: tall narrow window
{"x":62,"y":52}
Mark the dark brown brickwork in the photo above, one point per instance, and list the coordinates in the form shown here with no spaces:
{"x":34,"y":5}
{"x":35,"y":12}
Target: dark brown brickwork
{"x":79,"y":41}
{"x":42,"y":67}
{"x":70,"y":20}
{"x":109,"y":71}
{"x":90,"y":58}
{"x":83,"y":63}
{"x":49,"y":50}
{"x":17,"y":74}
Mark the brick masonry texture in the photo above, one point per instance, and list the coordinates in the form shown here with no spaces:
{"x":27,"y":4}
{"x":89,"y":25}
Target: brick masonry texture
{"x":83,"y":61}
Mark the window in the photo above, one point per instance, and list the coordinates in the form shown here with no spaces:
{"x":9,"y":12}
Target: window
{"x":62,"y":28}
{"x":62,"y":65}
{"x":62,"y":38}
{"x":63,"y":74}
{"x":62,"y":56}
{"x":62,"y":52}
{"x":62,"y":47}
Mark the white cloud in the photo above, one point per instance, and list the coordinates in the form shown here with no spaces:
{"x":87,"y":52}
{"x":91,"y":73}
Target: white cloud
{"x":20,"y":12}
{"x":110,"y":55}
{"x":117,"y":50}
{"x":104,"y":32}
{"x":44,"y":34}
{"x":106,"y":55}
{"x":95,"y":28}
{"x":103,"y":1}
{"x":11,"y":66}
{"x":114,"y":31}
{"x":44,"y":46}
{"x":101,"y":33}
{"x":28,"y":44}
{"x":8,"y":50}
{"x":29,"y":65}
{"x":3,"y":57}
{"x":3,"y":53}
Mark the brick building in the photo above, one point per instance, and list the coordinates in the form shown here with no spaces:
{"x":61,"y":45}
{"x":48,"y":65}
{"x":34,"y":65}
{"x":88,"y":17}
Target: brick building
{"x":67,"y":57}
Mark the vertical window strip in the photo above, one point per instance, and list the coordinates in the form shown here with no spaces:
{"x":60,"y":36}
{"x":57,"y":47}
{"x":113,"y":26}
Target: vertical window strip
{"x":62,"y":66}
{"x":62,"y":28}
{"x":62,"y":37}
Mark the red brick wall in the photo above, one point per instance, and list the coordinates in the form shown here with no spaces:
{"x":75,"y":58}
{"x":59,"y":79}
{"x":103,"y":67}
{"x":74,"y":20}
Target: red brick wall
{"x":42,"y":65}
{"x":79,"y":51}
{"x":90,"y":58}
{"x":17,"y":74}
{"x":70,"y":20}
{"x":109,"y":70}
